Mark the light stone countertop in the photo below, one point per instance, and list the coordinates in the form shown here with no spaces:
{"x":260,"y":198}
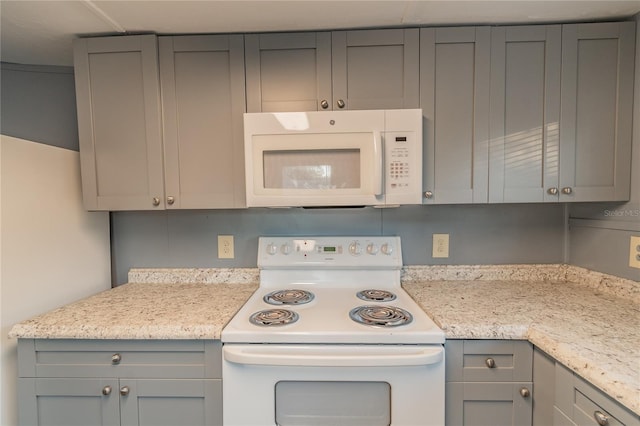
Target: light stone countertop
{"x":592,"y":327}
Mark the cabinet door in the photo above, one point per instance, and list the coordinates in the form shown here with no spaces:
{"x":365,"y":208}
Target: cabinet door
{"x":171,"y":402}
{"x":118,"y":101}
{"x":375,"y":69}
{"x":68,"y":402}
{"x":203,"y":98}
{"x":454,"y":96}
{"x":482,"y":404}
{"x":288,"y":72}
{"x":597,"y":102}
{"x":525,"y":114}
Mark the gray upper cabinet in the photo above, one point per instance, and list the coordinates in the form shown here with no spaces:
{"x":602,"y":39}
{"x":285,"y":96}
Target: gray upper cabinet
{"x":454,"y":96}
{"x":368,"y":69}
{"x":597,"y":101}
{"x":525,"y":114}
{"x":288,"y":72}
{"x":203,"y":99}
{"x":375,"y":69}
{"x":118,"y":103}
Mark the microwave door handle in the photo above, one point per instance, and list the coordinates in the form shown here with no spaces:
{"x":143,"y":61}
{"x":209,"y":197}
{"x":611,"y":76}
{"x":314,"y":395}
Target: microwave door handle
{"x":377,"y":164}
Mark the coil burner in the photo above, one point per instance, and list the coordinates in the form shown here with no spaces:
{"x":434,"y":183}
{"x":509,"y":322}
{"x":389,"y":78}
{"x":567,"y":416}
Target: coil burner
{"x":382,"y":316}
{"x":273,"y":317}
{"x":289,"y":297}
{"x":376,"y":295}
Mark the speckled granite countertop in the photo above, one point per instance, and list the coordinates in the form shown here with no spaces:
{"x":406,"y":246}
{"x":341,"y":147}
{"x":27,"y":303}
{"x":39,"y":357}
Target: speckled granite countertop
{"x":589,"y":322}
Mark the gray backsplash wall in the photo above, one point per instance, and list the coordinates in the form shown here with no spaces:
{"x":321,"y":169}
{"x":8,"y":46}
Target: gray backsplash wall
{"x":479,"y":234}
{"x":599,"y":232}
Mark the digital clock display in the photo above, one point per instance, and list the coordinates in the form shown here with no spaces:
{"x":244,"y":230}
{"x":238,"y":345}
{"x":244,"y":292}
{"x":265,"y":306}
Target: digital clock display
{"x":328,"y":249}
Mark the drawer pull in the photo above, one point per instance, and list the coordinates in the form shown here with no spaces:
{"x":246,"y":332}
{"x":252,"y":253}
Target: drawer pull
{"x":124,"y":391}
{"x":116,"y":358}
{"x":601,"y":418}
{"x":525,"y":393}
{"x":106,"y":390}
{"x":491,"y":363}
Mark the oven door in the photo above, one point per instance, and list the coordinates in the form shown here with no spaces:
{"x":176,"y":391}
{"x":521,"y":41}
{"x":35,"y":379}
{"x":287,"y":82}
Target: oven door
{"x":273,"y":384}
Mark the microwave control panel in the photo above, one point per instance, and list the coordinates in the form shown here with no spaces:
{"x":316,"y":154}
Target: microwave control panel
{"x":403,"y":177}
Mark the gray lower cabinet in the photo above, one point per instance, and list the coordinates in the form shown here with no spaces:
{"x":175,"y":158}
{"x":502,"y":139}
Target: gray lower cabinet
{"x":488,"y":382}
{"x":87,"y":382}
{"x":454,"y":97}
{"x":365,"y":69}
{"x":565,"y":399}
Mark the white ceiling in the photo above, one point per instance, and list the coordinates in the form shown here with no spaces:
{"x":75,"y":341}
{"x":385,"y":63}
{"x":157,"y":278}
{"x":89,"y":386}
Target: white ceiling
{"x":40,"y":32}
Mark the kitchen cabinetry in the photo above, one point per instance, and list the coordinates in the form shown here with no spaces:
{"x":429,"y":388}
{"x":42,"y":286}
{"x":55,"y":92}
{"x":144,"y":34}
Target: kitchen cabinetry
{"x":525,"y":114}
{"x":596,"y":112}
{"x":126,"y":164}
{"x":488,"y":382}
{"x":565,"y":399}
{"x":81,"y":382}
{"x":203,"y":99}
{"x":118,"y":103}
{"x":454,"y":96}
{"x":366,"y":69}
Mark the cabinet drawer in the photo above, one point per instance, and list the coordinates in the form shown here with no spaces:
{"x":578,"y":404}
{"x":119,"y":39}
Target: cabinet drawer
{"x":589,"y":404}
{"x":489,"y":361}
{"x":126,"y":358}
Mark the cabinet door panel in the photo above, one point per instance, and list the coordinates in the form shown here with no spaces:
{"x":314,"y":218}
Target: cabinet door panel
{"x":68,"y":402}
{"x":172,"y":402}
{"x":525,"y":108}
{"x":597,"y":98}
{"x":203,"y":101}
{"x":375,"y":69}
{"x":288,"y":72}
{"x":118,"y":101}
{"x":454,"y":96}
{"x":482,"y":404}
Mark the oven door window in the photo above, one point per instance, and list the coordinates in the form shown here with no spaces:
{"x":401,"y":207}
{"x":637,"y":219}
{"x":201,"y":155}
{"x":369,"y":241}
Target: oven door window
{"x":331,"y":403}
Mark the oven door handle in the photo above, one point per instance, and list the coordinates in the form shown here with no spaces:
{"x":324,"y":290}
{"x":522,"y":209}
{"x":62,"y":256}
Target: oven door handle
{"x":333,"y":356}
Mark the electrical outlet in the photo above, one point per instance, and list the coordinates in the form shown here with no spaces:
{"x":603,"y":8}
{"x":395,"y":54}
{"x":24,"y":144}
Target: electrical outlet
{"x":440,"y":245}
{"x":634,"y":252}
{"x":225,"y":247}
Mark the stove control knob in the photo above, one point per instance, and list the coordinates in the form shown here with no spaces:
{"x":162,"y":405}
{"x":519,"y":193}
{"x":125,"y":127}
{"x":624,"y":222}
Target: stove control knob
{"x":372,"y":248}
{"x":355,"y":249}
{"x":386,"y":249}
{"x":285,"y":249}
{"x":272,"y":249}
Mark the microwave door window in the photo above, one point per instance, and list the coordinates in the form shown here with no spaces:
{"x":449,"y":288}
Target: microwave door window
{"x":312,"y":169}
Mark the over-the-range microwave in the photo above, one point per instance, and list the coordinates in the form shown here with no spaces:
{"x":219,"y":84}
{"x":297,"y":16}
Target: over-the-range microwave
{"x":333,"y":158}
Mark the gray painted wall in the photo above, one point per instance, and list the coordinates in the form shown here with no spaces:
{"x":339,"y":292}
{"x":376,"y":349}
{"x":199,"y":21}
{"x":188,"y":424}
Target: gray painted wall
{"x":599,"y":232}
{"x":38,"y":103}
{"x":479,"y":234}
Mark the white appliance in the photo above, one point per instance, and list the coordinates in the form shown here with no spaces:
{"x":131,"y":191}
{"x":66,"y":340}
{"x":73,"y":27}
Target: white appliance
{"x":333,"y":158}
{"x":330,"y":337}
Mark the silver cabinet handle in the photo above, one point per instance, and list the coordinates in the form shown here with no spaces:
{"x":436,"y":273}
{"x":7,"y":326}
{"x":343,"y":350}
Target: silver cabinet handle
{"x":106,"y":390}
{"x":491,"y":363}
{"x":171,"y":200}
{"x":428,"y":194}
{"x":324,"y":104}
{"x":155,"y":201}
{"x":525,"y":393}
{"x":567,"y":190}
{"x":601,"y":418}
{"x":341,"y":103}
{"x":552,"y":191}
{"x":124,"y":391}
{"x":116,"y":358}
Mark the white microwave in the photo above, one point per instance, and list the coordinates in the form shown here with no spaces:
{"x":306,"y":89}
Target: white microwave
{"x":333,"y":158}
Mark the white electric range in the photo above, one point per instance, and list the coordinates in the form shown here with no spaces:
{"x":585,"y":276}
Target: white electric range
{"x":330,"y":337}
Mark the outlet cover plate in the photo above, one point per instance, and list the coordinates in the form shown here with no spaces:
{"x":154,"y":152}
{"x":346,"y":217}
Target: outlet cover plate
{"x":225,"y":247}
{"x":440,"y":246}
{"x":634,"y":252}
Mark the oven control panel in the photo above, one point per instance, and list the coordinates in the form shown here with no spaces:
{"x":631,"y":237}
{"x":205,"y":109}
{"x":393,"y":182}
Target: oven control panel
{"x":329,"y":252}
